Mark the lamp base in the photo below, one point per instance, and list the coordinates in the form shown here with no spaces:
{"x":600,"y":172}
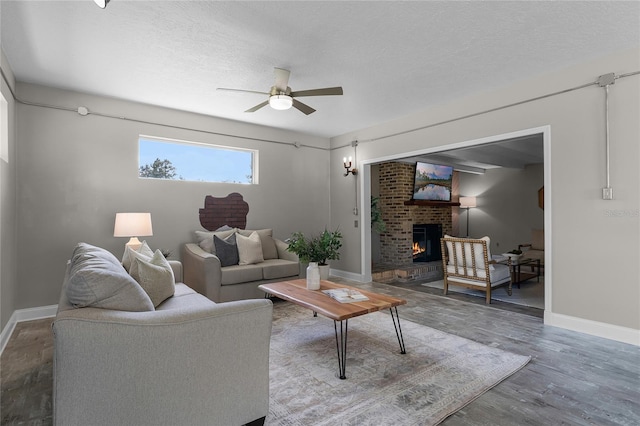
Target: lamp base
{"x":134,"y":244}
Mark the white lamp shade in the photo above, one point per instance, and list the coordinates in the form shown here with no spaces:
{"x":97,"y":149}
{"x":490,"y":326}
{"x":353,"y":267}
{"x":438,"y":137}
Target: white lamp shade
{"x":467,"y":202}
{"x":102,"y":3}
{"x":280,"y":102}
{"x":133,"y":225}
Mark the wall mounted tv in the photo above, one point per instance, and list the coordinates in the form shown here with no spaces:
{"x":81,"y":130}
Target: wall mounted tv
{"x":432,"y":182}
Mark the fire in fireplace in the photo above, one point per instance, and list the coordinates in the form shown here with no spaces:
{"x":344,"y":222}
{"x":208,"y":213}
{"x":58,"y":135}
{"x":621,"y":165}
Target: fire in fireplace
{"x":426,"y":242}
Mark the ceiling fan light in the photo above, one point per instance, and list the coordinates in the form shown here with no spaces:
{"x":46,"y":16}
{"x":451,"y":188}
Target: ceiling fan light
{"x":280,"y":102}
{"x":102,"y":3}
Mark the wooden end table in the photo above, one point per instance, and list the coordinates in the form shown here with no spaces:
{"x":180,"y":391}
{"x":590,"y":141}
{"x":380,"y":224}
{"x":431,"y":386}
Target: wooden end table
{"x":295,"y":291}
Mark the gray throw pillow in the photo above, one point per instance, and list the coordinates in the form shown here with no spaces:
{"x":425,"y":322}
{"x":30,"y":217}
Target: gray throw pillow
{"x":226,"y":250}
{"x":98,"y":280}
{"x":154,"y":275}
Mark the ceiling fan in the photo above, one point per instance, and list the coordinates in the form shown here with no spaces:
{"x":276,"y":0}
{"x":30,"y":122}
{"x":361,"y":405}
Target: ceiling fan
{"x":281,"y":97}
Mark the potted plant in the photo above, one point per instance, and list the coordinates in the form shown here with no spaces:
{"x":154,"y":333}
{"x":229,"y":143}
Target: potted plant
{"x":377,"y":223}
{"x":317,"y":248}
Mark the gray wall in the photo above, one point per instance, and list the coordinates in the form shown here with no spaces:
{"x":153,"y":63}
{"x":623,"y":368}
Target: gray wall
{"x":507,"y":205}
{"x":75,"y":172}
{"x":595,"y":243}
{"x":8,"y":240}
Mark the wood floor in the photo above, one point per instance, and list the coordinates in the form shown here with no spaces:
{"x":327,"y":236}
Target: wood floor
{"x":572,"y":379}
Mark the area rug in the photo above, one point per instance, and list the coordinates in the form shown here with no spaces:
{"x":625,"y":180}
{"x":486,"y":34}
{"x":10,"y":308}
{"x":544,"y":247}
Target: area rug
{"x":530,"y":293}
{"x":439,"y":374}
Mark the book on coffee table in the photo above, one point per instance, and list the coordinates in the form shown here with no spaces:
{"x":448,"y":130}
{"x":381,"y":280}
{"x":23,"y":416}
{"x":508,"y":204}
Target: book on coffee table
{"x":345,"y":295}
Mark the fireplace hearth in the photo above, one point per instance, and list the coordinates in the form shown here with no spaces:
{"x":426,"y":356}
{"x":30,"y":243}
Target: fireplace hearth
{"x":426,"y":242}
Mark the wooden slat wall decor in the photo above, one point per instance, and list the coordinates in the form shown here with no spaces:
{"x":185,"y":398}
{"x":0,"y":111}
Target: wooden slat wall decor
{"x":219,"y":211}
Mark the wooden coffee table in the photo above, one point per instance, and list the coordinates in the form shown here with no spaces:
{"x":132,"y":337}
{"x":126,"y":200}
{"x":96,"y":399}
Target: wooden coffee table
{"x":295,"y":291}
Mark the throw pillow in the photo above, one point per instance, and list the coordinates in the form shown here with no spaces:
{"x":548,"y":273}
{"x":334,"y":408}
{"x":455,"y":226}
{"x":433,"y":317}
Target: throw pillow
{"x":450,"y":251}
{"x":226,"y":250}
{"x":154,"y":275}
{"x":205,"y":239}
{"x":127,"y":257}
{"x":97,"y":279}
{"x":249,"y":249}
{"x":269,"y":250}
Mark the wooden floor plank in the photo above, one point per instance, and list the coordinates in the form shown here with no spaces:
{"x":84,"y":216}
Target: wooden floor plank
{"x":572,"y":379}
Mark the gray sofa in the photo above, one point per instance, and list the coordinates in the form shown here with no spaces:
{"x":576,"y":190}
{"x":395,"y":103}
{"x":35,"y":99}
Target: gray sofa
{"x":187,"y":361}
{"x":205,"y":273}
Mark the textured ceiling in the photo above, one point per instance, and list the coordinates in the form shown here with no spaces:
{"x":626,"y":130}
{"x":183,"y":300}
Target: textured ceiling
{"x":391,"y":58}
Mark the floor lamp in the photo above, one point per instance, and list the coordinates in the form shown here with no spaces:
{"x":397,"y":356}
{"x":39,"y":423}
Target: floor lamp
{"x":467,"y":203}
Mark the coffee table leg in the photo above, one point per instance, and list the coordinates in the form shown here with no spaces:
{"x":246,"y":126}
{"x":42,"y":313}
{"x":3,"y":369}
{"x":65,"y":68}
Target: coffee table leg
{"x":341,"y":346}
{"x":398,"y":329}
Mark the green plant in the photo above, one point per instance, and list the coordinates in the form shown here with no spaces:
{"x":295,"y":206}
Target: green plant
{"x":318,"y":248}
{"x":377,"y":223}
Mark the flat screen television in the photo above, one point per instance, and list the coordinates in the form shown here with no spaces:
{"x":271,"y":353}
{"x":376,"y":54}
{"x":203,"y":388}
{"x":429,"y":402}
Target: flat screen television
{"x":432,"y":182}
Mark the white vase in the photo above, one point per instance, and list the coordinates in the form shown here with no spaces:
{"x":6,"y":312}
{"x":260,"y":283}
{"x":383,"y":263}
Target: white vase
{"x":313,"y":276}
{"x":324,"y":272}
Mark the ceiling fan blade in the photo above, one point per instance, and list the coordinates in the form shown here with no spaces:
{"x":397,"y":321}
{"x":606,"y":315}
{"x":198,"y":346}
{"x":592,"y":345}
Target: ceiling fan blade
{"x":257,"y":107}
{"x":240,"y":90}
{"x":318,"y":92}
{"x":302,"y":107}
{"x":282,"y":79}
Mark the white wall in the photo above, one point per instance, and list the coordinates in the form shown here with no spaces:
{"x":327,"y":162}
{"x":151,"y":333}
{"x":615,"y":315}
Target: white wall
{"x":507,"y":205}
{"x":8,"y":267}
{"x":595,"y":243}
{"x":75,"y":172}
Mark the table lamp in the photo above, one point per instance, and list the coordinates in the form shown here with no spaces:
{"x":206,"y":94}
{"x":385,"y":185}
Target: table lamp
{"x":133,"y":225}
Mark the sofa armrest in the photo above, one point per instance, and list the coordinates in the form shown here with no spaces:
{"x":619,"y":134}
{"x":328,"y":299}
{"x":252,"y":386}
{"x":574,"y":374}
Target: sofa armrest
{"x":202,"y":271}
{"x":179,"y":366}
{"x":281,"y":246}
{"x":176,"y":266}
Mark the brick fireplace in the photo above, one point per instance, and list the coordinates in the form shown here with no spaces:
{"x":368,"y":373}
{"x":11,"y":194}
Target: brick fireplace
{"x":396,"y":187}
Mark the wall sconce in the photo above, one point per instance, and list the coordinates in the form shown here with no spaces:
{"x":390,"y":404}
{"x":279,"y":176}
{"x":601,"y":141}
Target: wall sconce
{"x":347,"y":166}
{"x":467,"y":203}
{"x":133,"y":225}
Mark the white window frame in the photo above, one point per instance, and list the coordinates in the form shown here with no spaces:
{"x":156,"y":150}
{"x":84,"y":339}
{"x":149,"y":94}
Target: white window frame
{"x":254,"y":158}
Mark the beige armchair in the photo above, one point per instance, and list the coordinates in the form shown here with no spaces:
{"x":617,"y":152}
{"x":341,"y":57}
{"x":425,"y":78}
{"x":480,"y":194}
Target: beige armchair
{"x":467,"y":263}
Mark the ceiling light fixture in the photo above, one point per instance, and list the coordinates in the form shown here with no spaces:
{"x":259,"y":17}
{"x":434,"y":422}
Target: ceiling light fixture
{"x":280,"y":102}
{"x":102,"y":3}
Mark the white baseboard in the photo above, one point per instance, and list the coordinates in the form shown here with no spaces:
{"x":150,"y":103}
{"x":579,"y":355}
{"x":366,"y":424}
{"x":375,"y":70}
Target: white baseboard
{"x":349,"y":275}
{"x":594,"y":328}
{"x":20,"y":315}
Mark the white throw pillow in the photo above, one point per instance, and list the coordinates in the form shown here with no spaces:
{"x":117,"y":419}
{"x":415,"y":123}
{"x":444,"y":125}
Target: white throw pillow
{"x":127,"y":257}
{"x":249,"y":249}
{"x":154,"y":275}
{"x":477,"y":250}
{"x":479,"y":254}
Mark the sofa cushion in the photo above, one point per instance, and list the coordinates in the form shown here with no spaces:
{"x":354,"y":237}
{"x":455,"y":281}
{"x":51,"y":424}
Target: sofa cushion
{"x":269,"y":250}
{"x":226,"y":250}
{"x":205,"y":238}
{"x":249,"y":249}
{"x":500,"y":274}
{"x":144,"y":249}
{"x":154,"y":275}
{"x":185,"y":299}
{"x":279,"y":268}
{"x":241,"y":274}
{"x":97,"y":279}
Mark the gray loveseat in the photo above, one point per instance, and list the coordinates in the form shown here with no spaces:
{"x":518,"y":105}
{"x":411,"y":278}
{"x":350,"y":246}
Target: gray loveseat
{"x":187,"y":361}
{"x":204,"y":269}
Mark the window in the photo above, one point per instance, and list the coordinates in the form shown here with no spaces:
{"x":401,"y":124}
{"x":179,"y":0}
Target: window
{"x":4,"y":129}
{"x":191,"y":161}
